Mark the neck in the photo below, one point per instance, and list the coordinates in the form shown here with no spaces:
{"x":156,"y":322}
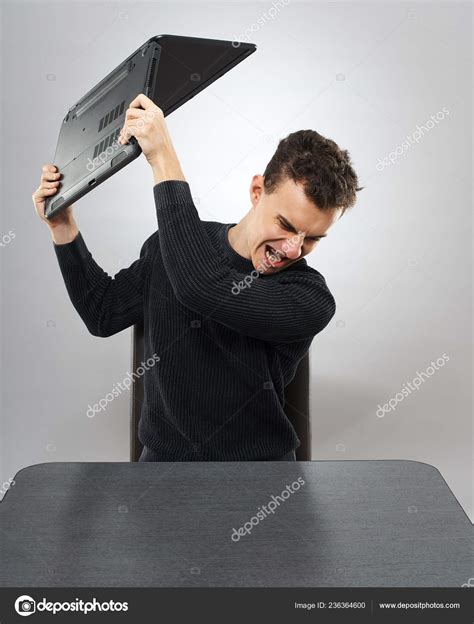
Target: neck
{"x":237,"y":236}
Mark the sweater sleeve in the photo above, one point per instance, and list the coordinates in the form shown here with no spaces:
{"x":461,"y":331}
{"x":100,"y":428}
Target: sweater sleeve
{"x":283,"y":307}
{"x":107,"y":305}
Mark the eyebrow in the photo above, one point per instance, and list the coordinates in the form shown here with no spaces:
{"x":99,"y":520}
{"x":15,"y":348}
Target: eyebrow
{"x":292,"y":227}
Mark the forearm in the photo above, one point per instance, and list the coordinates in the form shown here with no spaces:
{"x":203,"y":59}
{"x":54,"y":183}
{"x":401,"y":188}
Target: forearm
{"x":64,"y":234}
{"x":167,"y":167}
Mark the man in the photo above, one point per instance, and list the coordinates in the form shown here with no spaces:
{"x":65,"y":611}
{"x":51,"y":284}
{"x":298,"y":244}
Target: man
{"x":229,"y":310}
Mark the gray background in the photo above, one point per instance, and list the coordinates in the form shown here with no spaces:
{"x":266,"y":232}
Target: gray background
{"x":399,"y":264}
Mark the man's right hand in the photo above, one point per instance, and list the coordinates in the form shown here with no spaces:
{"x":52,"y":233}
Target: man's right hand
{"x":62,"y":226}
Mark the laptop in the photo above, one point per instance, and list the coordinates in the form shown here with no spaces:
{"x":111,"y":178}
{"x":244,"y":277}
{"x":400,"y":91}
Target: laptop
{"x":170,"y":70}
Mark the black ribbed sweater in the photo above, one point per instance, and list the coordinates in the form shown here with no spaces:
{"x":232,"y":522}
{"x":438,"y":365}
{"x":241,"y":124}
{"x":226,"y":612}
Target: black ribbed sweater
{"x":225,"y":355}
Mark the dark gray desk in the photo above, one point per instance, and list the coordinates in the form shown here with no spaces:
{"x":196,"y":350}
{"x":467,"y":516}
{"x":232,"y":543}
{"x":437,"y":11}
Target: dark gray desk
{"x":352,"y":524}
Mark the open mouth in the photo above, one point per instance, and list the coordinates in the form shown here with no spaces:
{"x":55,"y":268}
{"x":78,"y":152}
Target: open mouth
{"x":274,"y":257}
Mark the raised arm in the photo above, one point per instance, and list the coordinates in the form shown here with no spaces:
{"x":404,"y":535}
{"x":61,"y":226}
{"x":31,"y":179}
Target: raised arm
{"x":294,"y":305}
{"x":106,"y":304}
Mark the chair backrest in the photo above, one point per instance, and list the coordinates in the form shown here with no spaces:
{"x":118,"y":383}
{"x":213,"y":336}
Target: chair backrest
{"x":296,"y":401}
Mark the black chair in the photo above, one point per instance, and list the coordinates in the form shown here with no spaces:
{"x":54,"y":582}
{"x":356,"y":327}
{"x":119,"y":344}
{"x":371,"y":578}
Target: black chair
{"x":296,"y":401}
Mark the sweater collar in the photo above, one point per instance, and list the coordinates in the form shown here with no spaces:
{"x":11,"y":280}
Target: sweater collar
{"x":235,"y":259}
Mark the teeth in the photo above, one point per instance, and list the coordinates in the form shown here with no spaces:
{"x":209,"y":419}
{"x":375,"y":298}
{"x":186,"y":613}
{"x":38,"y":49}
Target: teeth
{"x":273,"y":256}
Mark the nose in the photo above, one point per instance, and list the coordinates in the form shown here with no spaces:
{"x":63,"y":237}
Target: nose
{"x":293,"y":249}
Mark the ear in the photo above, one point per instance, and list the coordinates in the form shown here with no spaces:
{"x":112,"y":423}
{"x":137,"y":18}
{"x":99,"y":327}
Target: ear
{"x":256,"y":189}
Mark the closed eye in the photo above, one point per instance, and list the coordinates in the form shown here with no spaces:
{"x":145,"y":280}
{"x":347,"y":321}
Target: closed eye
{"x":289,"y":228}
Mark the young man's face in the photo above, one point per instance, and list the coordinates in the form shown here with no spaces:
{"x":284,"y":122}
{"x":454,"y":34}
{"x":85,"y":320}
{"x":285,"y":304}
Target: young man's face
{"x":285,"y":225}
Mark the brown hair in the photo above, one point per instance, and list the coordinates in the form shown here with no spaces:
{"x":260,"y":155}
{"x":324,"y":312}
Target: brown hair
{"x":324,"y":169}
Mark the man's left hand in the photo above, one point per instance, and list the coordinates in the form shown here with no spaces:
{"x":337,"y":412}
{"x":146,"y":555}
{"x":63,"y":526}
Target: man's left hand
{"x":145,"y":121}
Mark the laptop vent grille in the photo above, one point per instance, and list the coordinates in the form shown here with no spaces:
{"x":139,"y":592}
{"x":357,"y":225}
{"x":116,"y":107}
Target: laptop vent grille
{"x":105,"y":143}
{"x":151,"y":73}
{"x":111,"y":116}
